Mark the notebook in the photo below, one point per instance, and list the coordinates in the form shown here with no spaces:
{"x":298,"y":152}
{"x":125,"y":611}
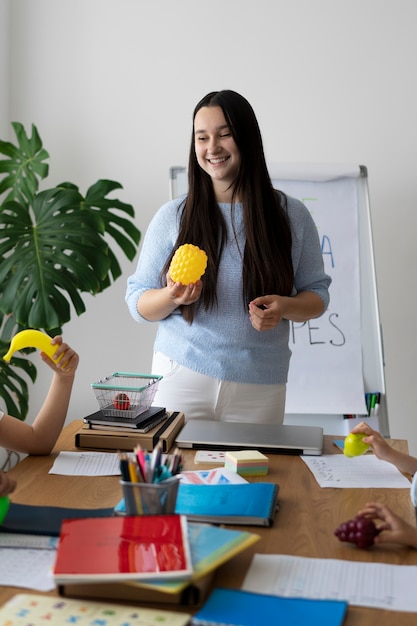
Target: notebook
{"x":253,"y":504}
{"x":117,"y":549}
{"x":147,"y":420}
{"x":35,"y":519}
{"x":270,"y":438}
{"x":235,"y":607}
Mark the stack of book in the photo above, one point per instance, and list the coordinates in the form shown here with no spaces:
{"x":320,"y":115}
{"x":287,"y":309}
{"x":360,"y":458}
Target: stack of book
{"x":148,"y":558}
{"x":116,"y":433}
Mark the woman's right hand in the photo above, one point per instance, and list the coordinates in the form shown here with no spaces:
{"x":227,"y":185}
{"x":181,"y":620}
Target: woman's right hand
{"x":157,"y":304}
{"x":183,"y":294}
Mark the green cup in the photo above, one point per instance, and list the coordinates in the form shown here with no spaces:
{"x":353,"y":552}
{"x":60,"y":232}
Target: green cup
{"x":4,"y":507}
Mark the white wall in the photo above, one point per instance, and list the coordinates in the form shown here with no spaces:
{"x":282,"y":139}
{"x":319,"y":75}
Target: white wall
{"x":4,"y":66}
{"x":111,"y":85}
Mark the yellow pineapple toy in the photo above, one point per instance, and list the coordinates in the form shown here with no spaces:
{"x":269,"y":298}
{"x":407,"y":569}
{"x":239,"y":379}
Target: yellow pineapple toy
{"x":188,"y":264}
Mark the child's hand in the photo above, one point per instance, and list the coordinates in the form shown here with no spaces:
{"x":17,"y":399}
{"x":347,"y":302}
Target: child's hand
{"x":68,"y":362}
{"x":7,"y":484}
{"x":373,"y":438}
{"x":393,"y":528}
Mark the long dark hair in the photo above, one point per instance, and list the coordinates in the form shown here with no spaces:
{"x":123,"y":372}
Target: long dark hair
{"x":266,"y":263}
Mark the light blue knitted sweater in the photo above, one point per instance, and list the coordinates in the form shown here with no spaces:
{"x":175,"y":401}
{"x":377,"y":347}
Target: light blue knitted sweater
{"x":222,"y":343}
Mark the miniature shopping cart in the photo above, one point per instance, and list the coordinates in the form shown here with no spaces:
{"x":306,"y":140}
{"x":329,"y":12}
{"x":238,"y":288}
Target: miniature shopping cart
{"x":125,"y":395}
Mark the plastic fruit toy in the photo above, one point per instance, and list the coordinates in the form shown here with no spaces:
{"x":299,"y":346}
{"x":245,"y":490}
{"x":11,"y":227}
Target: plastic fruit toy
{"x":360,"y":530}
{"x":31,"y":338}
{"x":188,"y":264}
{"x":122,"y":402}
{"x":4,"y":507}
{"x":354,"y":445}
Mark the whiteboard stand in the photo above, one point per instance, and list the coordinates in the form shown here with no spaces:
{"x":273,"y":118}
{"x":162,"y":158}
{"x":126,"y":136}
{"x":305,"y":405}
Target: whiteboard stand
{"x":372,"y":339}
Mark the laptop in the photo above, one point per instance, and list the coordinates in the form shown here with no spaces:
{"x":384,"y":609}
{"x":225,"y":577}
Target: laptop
{"x":270,"y":438}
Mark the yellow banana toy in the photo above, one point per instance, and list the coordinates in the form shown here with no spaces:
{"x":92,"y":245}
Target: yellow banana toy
{"x":31,"y":338}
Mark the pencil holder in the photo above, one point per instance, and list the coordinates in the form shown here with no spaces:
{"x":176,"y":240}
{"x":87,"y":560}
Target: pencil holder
{"x":151,"y":498}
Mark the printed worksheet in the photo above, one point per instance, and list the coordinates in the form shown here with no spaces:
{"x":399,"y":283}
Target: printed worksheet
{"x":27,"y":568}
{"x":86,"y":464}
{"x":376,"y":585}
{"x":337,"y":470}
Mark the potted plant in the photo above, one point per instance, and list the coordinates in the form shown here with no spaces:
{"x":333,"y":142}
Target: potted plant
{"x":54,"y":246}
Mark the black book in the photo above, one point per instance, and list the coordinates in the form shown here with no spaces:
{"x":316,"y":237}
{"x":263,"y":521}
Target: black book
{"x":148,"y":419}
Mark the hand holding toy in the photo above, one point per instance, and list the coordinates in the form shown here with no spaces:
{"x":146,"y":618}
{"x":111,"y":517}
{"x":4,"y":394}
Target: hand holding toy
{"x":354,"y":446}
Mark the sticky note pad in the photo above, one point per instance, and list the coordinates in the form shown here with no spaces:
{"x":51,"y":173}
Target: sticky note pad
{"x":247,"y":462}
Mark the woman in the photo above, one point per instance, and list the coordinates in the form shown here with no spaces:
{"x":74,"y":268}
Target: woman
{"x":222,"y":343}
{"x":40,"y":437}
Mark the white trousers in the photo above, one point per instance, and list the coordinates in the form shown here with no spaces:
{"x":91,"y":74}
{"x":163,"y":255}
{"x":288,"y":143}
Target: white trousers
{"x":201,"y":397}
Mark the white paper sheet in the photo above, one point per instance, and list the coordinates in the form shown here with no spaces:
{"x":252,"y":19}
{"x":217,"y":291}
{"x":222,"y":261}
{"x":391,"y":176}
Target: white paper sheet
{"x":22,"y":540}
{"x":27,"y":568}
{"x":86,"y":464}
{"x":325,"y":374}
{"x":337,"y":470}
{"x":376,"y":585}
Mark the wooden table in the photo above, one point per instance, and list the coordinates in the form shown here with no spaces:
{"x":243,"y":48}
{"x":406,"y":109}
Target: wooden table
{"x":304,"y":525}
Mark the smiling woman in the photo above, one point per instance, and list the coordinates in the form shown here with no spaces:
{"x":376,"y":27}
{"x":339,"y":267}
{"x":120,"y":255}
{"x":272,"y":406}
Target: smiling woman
{"x":222,"y":341}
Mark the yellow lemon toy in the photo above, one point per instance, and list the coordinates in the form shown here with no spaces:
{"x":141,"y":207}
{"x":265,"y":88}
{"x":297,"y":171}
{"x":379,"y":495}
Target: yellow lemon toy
{"x":31,"y":338}
{"x":188,"y":264}
{"x":354,"y":445}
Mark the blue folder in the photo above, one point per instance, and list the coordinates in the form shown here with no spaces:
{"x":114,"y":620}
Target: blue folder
{"x":235,"y":607}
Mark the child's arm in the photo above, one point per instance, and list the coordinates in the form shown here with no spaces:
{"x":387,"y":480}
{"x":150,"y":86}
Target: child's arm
{"x":381,"y":448}
{"x":41,"y":436}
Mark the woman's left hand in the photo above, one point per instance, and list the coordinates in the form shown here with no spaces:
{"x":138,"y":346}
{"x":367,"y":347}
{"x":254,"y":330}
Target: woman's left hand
{"x":266,"y":312}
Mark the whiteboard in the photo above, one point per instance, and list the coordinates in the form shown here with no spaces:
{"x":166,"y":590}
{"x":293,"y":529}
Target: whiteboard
{"x":337,"y":184}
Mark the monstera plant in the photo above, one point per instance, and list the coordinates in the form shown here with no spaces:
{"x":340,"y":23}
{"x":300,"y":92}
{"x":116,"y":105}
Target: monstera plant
{"x":54,"y":246}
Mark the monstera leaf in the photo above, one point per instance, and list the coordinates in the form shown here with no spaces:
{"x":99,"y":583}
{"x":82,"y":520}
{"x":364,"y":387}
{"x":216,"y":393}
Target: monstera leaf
{"x":14,"y":388}
{"x":51,"y":254}
{"x":54,"y":246}
{"x":25,"y":165}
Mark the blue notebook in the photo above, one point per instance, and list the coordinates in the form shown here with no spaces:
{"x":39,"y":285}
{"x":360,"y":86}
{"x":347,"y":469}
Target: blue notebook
{"x":235,"y":607}
{"x":253,"y":504}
